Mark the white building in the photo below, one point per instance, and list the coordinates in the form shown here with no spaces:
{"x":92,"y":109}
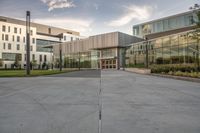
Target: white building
{"x":13,"y":41}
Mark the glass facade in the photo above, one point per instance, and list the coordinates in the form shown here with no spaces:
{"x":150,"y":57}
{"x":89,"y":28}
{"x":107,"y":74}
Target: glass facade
{"x":82,"y":60}
{"x":41,"y":43}
{"x":11,"y":57}
{"x":167,"y":24}
{"x":173,"y":49}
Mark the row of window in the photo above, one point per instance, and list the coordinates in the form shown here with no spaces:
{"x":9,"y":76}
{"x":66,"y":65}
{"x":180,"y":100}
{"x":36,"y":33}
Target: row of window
{"x":170,"y":55}
{"x":9,"y":46}
{"x":164,"y":25}
{"x":16,"y":30}
{"x":13,"y":56}
{"x":5,"y":37}
{"x":40,"y":58}
{"x":71,"y":39}
{"x":165,"y":42}
{"x":108,"y":53}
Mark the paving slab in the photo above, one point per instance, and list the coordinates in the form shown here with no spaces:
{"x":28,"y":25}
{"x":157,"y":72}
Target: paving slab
{"x":134,"y":103}
{"x":69,"y":103}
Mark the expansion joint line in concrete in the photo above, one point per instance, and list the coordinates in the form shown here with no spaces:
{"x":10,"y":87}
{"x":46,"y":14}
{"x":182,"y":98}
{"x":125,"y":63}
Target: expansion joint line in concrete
{"x":100,"y":106}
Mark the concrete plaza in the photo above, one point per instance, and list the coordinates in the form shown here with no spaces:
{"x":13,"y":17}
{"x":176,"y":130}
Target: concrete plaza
{"x":69,"y":103}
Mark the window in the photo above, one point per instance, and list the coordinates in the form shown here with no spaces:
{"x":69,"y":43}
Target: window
{"x":40,"y":58}
{"x":18,"y":47}
{"x":166,"y":42}
{"x":4,"y":28}
{"x":33,"y":57}
{"x":189,"y":20}
{"x":20,"y":30}
{"x":180,"y":22}
{"x":183,"y":39}
{"x":15,"y":30}
{"x":49,"y":30}
{"x":18,"y":38}
{"x":71,"y":38}
{"x":64,"y":38}
{"x":159,"y":26}
{"x":6,"y":37}
{"x":9,"y":46}
{"x":136,"y":31}
{"x":8,"y":28}
{"x":24,"y":39}
{"x":172,"y":23}
{"x":158,"y":43}
{"x":174,"y":40}
{"x":13,"y":38}
{"x":4,"y":45}
{"x":45,"y":58}
{"x":31,"y":32}
{"x":147,"y":28}
{"x":24,"y":57}
{"x":33,"y":40}
{"x":166,"y":25}
{"x":2,"y":36}
{"x":11,"y":56}
{"x":31,"y":48}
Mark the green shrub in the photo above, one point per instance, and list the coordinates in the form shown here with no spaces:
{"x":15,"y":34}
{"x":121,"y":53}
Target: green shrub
{"x":135,"y":65}
{"x":173,"y":68}
{"x":1,"y":62}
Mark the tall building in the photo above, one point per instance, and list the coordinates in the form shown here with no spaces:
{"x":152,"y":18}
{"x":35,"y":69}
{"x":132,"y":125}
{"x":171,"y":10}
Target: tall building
{"x":166,"y":41}
{"x":13,"y":42}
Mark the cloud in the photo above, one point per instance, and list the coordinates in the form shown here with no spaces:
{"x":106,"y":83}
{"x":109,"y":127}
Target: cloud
{"x":80,"y":25}
{"x":131,"y":13}
{"x":96,"y":6}
{"x":52,"y":4}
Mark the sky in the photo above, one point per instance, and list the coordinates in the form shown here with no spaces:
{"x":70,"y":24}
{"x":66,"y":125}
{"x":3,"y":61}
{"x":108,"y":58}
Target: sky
{"x":91,"y":17}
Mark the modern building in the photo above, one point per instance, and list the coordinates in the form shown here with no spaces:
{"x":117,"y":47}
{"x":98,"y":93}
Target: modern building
{"x":166,"y":41}
{"x":13,"y":42}
{"x":162,"y":41}
{"x":104,"y":51}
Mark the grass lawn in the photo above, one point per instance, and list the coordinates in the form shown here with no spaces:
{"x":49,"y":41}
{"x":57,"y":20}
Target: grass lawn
{"x":22,"y":73}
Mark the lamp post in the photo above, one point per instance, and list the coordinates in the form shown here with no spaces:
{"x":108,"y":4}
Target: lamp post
{"x":27,"y":42}
{"x":60,"y":51}
{"x":147,"y":52}
{"x":124,"y":58}
{"x":79,"y":61}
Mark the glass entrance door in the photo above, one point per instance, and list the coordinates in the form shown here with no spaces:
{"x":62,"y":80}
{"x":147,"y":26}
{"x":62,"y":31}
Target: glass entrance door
{"x":108,"y":64}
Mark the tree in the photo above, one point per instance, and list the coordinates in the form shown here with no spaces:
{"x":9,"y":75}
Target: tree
{"x":195,"y":34}
{"x":17,"y":60}
{"x":1,"y":62}
{"x":34,"y":63}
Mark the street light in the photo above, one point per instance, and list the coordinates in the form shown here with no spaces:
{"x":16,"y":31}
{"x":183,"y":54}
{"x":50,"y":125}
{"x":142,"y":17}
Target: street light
{"x":60,"y":51}
{"x":28,"y":14}
{"x":147,"y":53}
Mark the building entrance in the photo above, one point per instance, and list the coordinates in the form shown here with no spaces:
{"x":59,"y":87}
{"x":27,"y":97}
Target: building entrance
{"x":108,"y":64}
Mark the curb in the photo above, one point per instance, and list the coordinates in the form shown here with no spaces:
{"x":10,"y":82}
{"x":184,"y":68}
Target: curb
{"x":177,"y":77}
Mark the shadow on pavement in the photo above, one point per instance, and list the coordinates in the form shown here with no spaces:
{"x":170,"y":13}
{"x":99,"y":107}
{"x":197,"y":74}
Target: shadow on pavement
{"x":80,"y":74}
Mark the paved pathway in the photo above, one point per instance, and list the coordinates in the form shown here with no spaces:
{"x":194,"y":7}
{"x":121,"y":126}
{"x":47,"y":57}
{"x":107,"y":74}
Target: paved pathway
{"x":131,"y":103}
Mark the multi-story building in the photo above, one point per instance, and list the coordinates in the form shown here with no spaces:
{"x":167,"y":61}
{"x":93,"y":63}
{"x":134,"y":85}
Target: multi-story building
{"x":166,"y":41}
{"x":13,"y":42}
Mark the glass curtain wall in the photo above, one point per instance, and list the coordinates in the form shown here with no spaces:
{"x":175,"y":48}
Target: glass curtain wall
{"x":164,"y":25}
{"x":79,"y":60}
{"x":174,"y":49}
